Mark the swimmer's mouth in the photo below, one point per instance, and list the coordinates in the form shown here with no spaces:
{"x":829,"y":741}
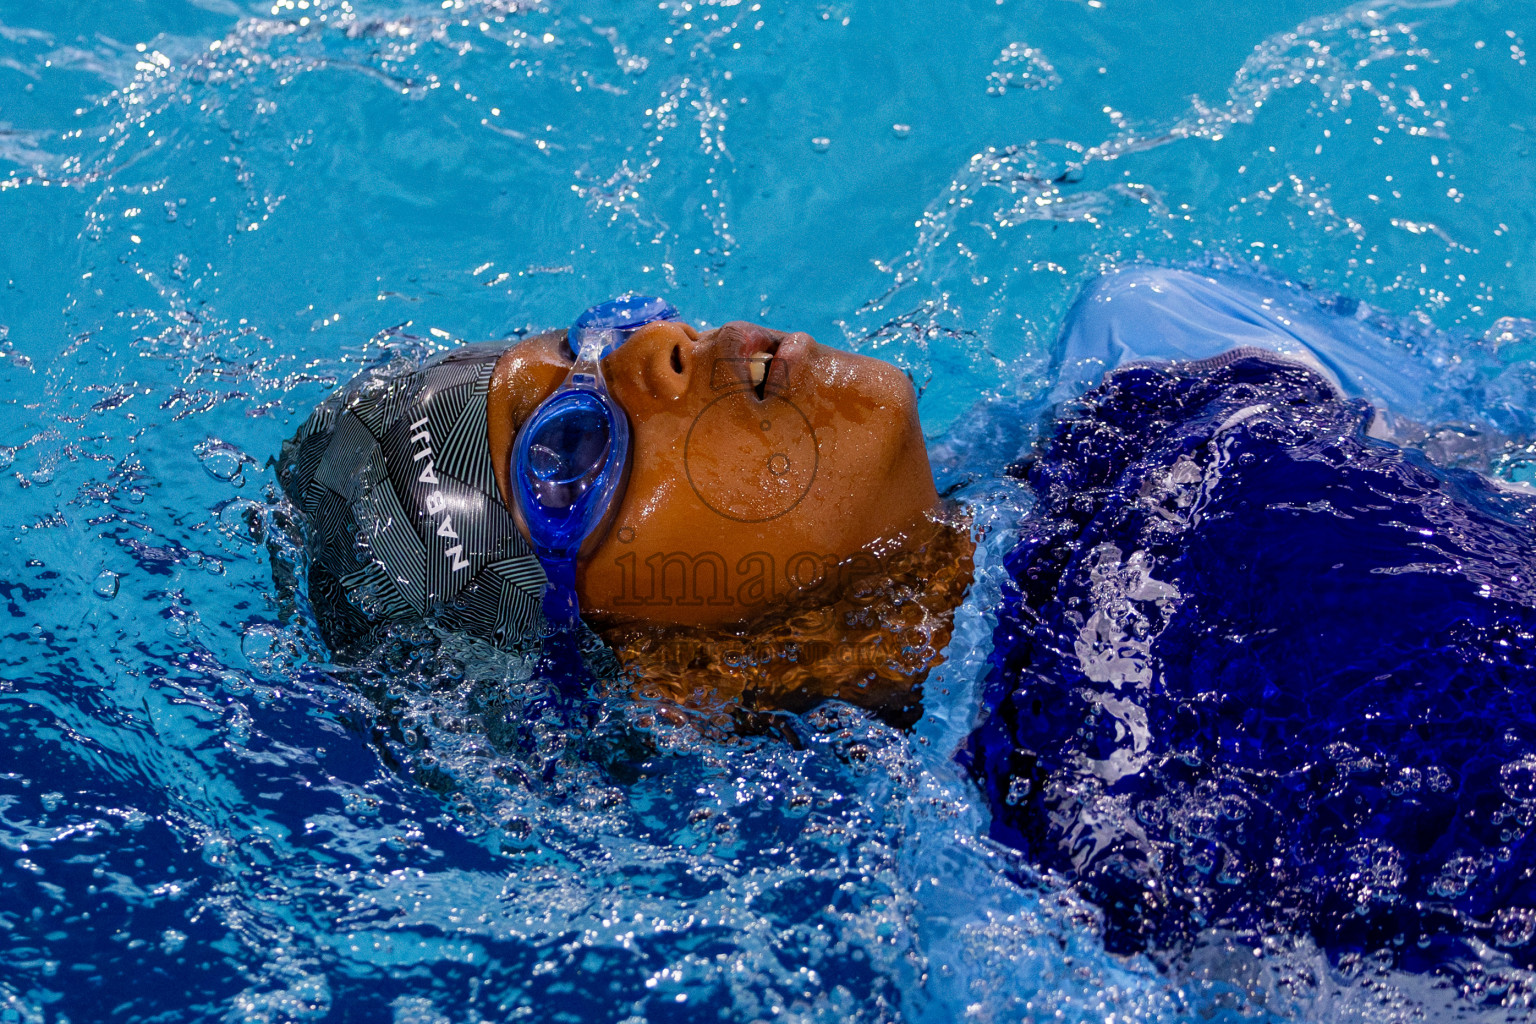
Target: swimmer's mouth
{"x":758,"y":365}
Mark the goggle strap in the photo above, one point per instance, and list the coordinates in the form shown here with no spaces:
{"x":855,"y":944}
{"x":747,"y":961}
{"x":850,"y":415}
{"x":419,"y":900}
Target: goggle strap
{"x":560,"y":662}
{"x":560,"y":604}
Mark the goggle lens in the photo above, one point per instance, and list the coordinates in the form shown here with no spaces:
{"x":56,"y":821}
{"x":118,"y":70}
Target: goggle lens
{"x":568,"y":449}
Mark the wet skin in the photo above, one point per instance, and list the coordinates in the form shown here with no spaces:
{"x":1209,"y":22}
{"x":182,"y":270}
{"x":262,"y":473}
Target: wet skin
{"x":742,"y":494}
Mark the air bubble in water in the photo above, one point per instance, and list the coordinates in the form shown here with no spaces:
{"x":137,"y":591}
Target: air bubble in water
{"x":1518,"y":779}
{"x":222,"y":460}
{"x":237,"y":683}
{"x":1021,"y":67}
{"x":273,"y":652}
{"x":240,"y":519}
{"x":821,"y":143}
{"x":1514,"y":926}
{"x":901,"y":131}
{"x":106,"y":584}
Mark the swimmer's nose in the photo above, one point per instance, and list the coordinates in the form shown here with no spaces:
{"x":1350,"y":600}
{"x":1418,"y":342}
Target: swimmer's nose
{"x":663,"y":361}
{"x":660,"y":358}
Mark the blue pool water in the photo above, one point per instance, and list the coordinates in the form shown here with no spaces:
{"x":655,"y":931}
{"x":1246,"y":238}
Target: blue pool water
{"x":212,"y":211}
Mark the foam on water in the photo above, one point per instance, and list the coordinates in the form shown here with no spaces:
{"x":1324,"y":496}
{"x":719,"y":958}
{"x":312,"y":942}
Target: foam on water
{"x":216,"y":211}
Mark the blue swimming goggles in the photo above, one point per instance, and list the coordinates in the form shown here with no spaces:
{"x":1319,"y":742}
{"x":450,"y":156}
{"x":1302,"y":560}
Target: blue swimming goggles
{"x":571,"y":458}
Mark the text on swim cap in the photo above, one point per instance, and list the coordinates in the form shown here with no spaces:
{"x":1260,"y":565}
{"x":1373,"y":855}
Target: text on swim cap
{"x":436,"y":503}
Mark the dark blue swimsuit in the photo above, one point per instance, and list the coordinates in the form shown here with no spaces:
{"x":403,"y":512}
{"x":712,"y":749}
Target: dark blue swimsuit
{"x":1262,"y":672}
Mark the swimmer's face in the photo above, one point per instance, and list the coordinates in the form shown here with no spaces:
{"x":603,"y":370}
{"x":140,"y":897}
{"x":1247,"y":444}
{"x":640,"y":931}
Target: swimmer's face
{"x":761,"y":460}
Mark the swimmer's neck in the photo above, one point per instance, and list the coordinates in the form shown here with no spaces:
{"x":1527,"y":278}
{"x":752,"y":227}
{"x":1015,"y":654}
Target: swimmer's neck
{"x":869,"y":640}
